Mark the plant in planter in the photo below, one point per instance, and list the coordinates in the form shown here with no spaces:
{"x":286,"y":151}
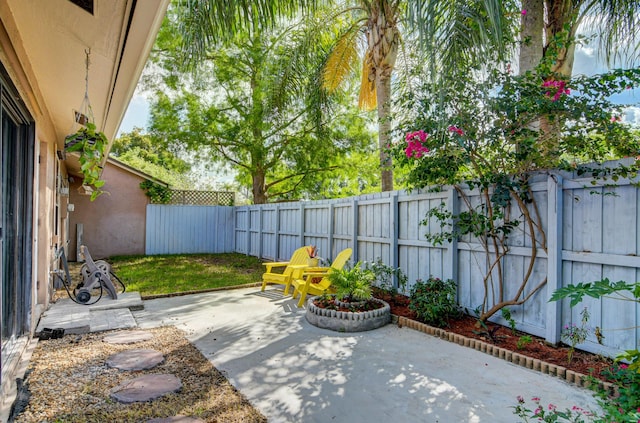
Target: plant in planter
{"x":91,"y":145}
{"x":352,"y":308}
{"x":352,"y":285}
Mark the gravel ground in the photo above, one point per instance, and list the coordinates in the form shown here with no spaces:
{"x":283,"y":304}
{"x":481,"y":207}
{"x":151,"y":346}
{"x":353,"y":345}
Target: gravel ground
{"x":69,"y":381}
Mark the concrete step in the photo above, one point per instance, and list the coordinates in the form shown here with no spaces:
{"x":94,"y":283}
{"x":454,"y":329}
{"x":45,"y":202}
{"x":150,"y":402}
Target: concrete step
{"x":106,"y":314}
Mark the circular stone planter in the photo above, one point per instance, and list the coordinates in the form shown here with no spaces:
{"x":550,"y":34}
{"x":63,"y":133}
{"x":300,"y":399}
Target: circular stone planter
{"x":347,"y":321}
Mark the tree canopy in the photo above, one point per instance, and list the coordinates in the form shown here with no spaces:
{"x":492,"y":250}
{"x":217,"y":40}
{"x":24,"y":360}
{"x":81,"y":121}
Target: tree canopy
{"x":254,"y":104}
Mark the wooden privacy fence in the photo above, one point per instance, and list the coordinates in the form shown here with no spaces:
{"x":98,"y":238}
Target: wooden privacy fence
{"x":175,"y":229}
{"x":592,"y":233}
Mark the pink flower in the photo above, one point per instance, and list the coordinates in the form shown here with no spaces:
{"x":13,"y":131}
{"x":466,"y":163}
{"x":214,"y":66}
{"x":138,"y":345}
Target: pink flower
{"x":560,"y":87}
{"x":535,"y":399}
{"x":552,"y":407}
{"x":615,"y":119}
{"x":520,"y":399}
{"x":524,"y":12}
{"x":457,"y":130}
{"x":414,"y":144}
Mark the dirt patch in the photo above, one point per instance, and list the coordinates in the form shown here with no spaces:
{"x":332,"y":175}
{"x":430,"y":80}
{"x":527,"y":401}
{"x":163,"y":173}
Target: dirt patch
{"x":582,"y":362}
{"x":69,"y":381}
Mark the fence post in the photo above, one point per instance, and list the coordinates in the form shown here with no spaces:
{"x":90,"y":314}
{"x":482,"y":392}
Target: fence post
{"x":277,"y":233}
{"x":248,"y":230}
{"x":393,"y":247}
{"x":553,"y":322}
{"x":331,"y":228}
{"x":260,"y":211}
{"x":355,"y":211}
{"x":451,"y":253}
{"x":302,"y":238}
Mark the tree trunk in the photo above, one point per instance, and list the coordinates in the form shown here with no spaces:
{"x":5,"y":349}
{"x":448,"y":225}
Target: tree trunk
{"x":532,"y":29}
{"x":383,"y":92}
{"x":259,"y":195}
{"x":382,"y":47}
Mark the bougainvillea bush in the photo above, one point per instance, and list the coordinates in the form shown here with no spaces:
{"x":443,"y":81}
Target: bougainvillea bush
{"x":488,"y":134}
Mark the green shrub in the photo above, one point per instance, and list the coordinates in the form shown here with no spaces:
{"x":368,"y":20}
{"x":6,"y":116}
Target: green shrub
{"x":434,"y":301}
{"x":352,"y":284}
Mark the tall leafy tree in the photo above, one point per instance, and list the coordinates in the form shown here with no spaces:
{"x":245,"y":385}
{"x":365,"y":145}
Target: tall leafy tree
{"x":140,"y":151}
{"x":252,"y":104}
{"x":479,"y":22}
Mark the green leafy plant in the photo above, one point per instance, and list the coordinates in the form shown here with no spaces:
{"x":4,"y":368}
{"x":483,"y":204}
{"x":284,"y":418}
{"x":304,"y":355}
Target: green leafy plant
{"x":574,"y":334}
{"x":491,"y":333}
{"x":551,"y":414}
{"x":91,"y":144}
{"x":617,"y":290}
{"x":385,"y":274}
{"x":159,"y":194}
{"x":624,"y":406}
{"x":506,"y":315}
{"x":523,"y":341}
{"x":352,"y":284}
{"x":434,"y":301}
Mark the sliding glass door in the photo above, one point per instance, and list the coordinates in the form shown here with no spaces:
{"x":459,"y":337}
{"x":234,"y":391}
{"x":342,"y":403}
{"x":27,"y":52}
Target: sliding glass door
{"x":16,"y":227}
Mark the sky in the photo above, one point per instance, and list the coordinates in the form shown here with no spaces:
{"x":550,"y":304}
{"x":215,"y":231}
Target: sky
{"x":586,"y":62}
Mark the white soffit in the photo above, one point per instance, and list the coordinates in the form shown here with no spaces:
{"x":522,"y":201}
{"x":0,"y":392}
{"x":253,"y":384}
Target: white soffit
{"x":55,"y":35}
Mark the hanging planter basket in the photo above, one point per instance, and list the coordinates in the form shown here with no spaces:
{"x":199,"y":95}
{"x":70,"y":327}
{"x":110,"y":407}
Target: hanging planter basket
{"x":90,"y":143}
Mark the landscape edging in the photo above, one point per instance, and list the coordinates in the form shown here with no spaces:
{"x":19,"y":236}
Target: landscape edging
{"x":561,"y":372}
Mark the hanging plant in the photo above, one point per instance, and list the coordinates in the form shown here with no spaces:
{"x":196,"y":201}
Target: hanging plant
{"x":91,"y":145}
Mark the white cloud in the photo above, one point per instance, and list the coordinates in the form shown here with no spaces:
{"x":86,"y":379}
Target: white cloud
{"x":632,"y":115}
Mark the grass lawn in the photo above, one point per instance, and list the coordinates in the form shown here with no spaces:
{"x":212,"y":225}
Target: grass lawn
{"x":168,"y":274}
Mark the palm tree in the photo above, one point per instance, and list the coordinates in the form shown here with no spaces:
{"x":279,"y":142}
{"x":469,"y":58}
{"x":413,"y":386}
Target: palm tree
{"x":548,"y":36}
{"x":550,"y":27}
{"x":475,"y":25}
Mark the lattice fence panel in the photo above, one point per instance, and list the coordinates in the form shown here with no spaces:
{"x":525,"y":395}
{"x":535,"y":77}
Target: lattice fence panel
{"x":202,"y":198}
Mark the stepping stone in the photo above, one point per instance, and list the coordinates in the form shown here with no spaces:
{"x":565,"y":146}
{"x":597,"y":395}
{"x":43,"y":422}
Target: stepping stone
{"x":146,"y":388}
{"x":176,"y":419}
{"x":135,"y":359}
{"x":127,"y":337}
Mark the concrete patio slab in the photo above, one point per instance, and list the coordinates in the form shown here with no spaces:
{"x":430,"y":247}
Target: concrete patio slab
{"x":295,"y":372}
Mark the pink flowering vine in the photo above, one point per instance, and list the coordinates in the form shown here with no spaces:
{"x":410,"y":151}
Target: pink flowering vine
{"x":455,"y":129}
{"x":524,"y":12}
{"x":415,"y":148}
{"x":560,"y":87}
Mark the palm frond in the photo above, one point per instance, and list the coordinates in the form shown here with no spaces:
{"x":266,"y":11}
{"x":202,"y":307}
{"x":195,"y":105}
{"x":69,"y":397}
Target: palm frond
{"x":206,"y":23}
{"x":367,"y":99}
{"x":617,"y":25}
{"x":342,"y":60}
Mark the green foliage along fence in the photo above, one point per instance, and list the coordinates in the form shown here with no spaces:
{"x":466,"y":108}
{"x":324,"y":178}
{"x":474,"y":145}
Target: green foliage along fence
{"x":591,"y":232}
{"x":591,"y":229}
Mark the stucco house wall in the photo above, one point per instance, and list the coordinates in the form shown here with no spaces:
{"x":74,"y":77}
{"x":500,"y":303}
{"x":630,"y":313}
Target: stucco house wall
{"x":113,"y":224}
{"x":43,"y":52}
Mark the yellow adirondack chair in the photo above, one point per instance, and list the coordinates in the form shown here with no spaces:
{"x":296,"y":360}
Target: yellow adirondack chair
{"x":298,"y":258}
{"x":304,"y":278}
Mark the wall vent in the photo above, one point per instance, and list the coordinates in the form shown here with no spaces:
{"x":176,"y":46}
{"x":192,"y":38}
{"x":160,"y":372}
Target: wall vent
{"x":86,"y":5}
